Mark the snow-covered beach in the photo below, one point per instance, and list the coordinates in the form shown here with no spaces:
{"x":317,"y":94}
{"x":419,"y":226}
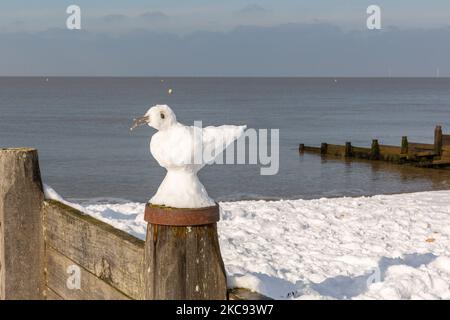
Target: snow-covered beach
{"x":380,"y":247}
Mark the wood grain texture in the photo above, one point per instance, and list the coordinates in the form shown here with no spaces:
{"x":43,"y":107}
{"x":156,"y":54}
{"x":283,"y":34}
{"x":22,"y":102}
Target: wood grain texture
{"x":52,"y":295}
{"x":21,"y":229}
{"x":184,"y":263}
{"x":414,"y":147}
{"x":438,"y":140}
{"x":446,"y":140}
{"x":110,"y":254}
{"x":311,"y":149}
{"x":348,"y":149}
{"x":386,"y":149}
{"x":359,"y":152}
{"x":91,"y":287}
{"x":335,"y":150}
{"x":404,"y":145}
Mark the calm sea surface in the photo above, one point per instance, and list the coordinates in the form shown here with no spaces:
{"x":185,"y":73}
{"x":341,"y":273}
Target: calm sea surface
{"x":81,"y":129}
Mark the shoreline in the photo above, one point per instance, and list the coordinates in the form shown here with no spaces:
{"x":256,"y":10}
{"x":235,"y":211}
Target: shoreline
{"x":114,"y":200}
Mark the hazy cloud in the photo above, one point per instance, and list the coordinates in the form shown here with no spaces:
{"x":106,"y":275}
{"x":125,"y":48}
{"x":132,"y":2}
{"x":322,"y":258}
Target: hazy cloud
{"x":129,"y":22}
{"x":283,"y":50}
{"x":114,"y":18}
{"x":154,"y":16}
{"x":252,"y":9}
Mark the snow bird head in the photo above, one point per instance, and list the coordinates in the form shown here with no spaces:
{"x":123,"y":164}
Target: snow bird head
{"x":159,"y":117}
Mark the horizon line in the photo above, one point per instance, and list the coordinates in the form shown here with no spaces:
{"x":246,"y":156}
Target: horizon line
{"x":219,"y":76}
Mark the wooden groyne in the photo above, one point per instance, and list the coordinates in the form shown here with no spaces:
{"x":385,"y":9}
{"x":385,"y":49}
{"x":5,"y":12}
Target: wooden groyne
{"x":51,"y":251}
{"x":436,"y":155}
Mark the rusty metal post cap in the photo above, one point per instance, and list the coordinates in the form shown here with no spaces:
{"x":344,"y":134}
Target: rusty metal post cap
{"x":168,"y":216}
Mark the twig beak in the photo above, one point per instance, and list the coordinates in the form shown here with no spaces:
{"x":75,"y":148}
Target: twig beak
{"x":139,"y":122}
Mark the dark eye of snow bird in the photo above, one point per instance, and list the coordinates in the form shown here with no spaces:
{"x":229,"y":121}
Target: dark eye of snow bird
{"x":162,"y":115}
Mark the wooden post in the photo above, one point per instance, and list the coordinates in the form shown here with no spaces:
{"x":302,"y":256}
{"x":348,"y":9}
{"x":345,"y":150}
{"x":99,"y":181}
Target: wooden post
{"x":438,"y":140}
{"x":375,"y":150}
{"x":324,"y":148}
{"x":182,"y":255}
{"x":404,"y":145}
{"x":301,"y":148}
{"x":348,"y":149}
{"x":21,"y":230}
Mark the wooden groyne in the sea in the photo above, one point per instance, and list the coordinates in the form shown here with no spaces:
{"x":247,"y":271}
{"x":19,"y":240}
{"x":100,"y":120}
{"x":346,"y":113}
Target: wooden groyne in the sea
{"x":436,"y":155}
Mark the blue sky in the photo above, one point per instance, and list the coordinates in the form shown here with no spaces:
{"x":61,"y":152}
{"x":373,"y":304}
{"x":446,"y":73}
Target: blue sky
{"x":225,"y":38}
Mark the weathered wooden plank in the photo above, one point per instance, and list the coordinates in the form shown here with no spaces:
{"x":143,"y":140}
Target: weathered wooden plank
{"x":445,"y":153}
{"x":348,"y":149}
{"x":438,"y":140}
{"x":52,"y":295}
{"x":386,"y":149}
{"x":60,"y":269}
{"x":375,"y":150}
{"x":416,"y":147}
{"x":165,"y":261}
{"x":404,"y":147}
{"x":112,"y":255}
{"x":184,"y":263}
{"x":446,"y":140}
{"x":311,"y":149}
{"x":425,"y":154}
{"x":21,"y":230}
{"x":335,"y":150}
{"x":443,"y":162}
{"x":361,"y":150}
{"x":204,"y":265}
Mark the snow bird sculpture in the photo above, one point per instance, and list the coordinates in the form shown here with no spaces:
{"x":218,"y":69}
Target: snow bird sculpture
{"x":183,"y":151}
